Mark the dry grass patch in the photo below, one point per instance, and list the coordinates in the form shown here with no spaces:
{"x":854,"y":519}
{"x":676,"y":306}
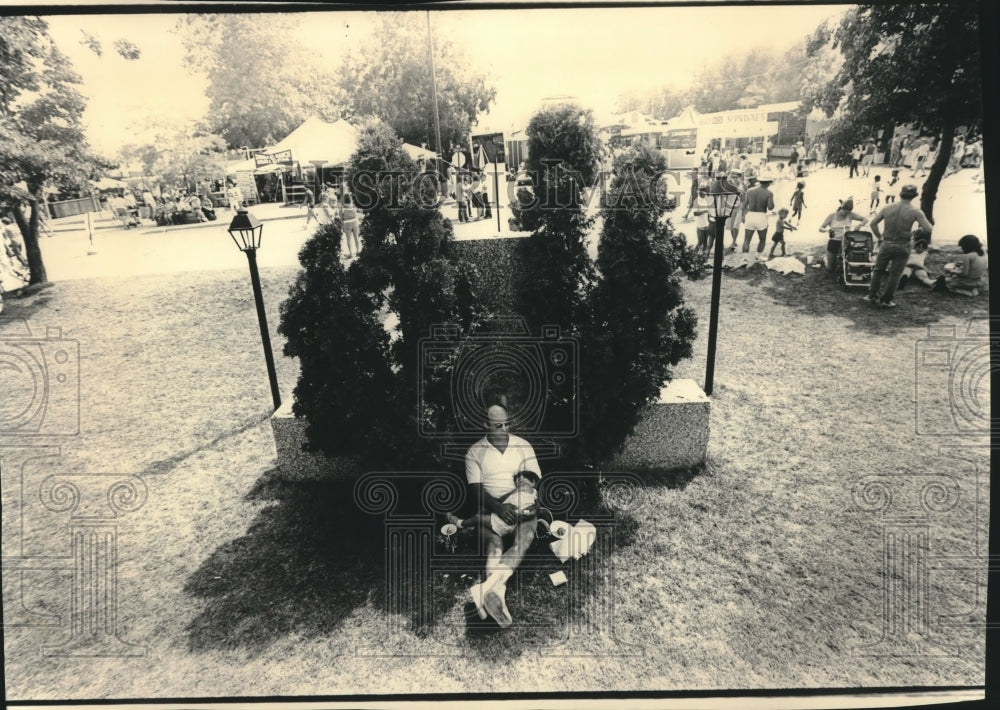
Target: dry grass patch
{"x":759,"y":571}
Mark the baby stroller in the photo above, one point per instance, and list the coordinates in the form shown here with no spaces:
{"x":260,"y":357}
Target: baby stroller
{"x":858,"y":259}
{"x":850,"y":257}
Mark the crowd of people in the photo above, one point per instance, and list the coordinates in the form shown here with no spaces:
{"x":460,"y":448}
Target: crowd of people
{"x":335,"y":205}
{"x":902,"y":233}
{"x":469,"y":190}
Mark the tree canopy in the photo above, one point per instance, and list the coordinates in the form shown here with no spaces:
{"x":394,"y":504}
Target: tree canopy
{"x":262,"y":85}
{"x":905,"y":63}
{"x":180,"y":155}
{"x":390,"y":78}
{"x":752,"y":78}
{"x":41,"y":137}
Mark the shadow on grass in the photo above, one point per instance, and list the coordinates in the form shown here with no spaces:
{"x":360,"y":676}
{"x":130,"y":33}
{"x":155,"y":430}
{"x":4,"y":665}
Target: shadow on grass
{"x":308,"y":561}
{"x":549,"y":615}
{"x":817,"y":293}
{"x":304,"y":564}
{"x":168,"y":464}
{"x":25,"y":303}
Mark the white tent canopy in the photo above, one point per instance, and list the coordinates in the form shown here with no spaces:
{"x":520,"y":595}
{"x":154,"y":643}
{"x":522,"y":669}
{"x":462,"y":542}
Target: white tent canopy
{"x":106,"y":183}
{"x":317,"y":140}
{"x":416,"y":152}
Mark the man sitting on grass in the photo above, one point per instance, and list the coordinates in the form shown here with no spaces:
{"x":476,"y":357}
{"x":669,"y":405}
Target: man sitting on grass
{"x":525,"y":500}
{"x":491,"y":465}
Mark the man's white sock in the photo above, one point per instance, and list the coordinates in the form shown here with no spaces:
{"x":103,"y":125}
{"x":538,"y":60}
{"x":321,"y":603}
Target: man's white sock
{"x":499,"y":576}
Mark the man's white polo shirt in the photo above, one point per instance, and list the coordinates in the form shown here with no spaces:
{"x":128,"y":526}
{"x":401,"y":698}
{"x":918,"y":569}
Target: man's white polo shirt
{"x":485,"y":464}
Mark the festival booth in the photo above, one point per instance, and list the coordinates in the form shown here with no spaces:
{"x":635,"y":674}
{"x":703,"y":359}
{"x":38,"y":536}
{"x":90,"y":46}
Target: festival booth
{"x":637,"y":127}
{"x":679,"y":141}
{"x":312,"y":155}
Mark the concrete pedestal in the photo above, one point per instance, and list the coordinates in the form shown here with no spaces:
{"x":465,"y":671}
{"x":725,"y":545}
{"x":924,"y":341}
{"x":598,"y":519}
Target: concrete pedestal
{"x":289,"y":437}
{"x":672,"y":434}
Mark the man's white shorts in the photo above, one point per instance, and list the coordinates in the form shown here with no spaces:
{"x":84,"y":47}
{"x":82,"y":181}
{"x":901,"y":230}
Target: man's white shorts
{"x":755,"y":220}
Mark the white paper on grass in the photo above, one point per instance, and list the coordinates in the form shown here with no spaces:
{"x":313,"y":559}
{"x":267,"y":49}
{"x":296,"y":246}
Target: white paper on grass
{"x":576,"y":543}
{"x":786,"y":265}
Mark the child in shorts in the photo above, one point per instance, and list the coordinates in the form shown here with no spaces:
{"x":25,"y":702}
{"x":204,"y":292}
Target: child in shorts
{"x":524,"y":497}
{"x":876,"y":193}
{"x":779,"y":232}
{"x":701,"y":222}
{"x":891,"y":189}
{"x":915,"y":263}
{"x":798,"y":200}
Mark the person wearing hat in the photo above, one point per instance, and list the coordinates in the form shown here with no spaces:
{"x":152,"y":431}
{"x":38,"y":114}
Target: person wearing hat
{"x":759,"y":201}
{"x":894,"y":251}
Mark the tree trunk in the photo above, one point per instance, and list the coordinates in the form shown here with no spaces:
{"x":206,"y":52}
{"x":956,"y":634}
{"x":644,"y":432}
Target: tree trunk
{"x":29,"y":233}
{"x":886,"y":147}
{"x":928,"y":193}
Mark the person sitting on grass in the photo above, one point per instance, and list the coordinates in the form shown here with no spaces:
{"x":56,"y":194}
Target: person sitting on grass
{"x":524,"y":498}
{"x":490,"y":467}
{"x":915,"y":264}
{"x":965,"y":275}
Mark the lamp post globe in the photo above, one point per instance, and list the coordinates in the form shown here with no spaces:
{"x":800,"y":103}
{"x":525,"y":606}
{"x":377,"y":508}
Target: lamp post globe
{"x":724,"y":200}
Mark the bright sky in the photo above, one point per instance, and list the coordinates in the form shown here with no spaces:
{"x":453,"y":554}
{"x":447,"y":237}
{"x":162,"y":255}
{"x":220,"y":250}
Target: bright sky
{"x":591,"y":54}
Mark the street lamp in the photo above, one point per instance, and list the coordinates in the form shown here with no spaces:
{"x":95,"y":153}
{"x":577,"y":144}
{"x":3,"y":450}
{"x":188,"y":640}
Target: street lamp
{"x":725,"y":200}
{"x":246,"y":232}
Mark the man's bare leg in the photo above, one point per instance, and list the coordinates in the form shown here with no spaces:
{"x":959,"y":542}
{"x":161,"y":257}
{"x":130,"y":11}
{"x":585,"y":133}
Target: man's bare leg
{"x":496,"y":584}
{"x":494,"y":551}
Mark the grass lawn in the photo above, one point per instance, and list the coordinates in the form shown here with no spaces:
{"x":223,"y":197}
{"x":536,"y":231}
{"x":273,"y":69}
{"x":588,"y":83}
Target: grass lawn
{"x":761,"y":571}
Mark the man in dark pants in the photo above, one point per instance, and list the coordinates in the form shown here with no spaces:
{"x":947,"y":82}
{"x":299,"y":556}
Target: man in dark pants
{"x":895,"y":244}
{"x":759,"y":201}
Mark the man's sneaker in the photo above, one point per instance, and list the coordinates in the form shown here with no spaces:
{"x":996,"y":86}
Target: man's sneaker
{"x":868,"y":299}
{"x":476,"y":590}
{"x":496,"y":606}
{"x":890,"y":304}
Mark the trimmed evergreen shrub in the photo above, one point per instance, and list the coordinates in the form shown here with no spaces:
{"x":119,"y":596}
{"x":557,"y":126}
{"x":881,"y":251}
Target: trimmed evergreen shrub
{"x":639,"y":326}
{"x":368,"y":392}
{"x":359,"y":381}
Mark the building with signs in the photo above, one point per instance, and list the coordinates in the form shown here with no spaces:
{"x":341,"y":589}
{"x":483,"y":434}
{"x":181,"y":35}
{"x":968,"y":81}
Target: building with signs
{"x":770,"y":129}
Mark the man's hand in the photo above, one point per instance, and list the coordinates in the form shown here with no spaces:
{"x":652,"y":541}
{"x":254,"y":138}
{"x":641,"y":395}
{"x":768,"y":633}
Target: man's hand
{"x":507,"y":512}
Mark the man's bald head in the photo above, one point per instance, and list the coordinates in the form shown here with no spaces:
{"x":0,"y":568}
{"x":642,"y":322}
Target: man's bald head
{"x":495,"y":416}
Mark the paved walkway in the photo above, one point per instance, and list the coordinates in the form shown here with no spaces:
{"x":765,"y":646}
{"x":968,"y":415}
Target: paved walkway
{"x":116,"y":252}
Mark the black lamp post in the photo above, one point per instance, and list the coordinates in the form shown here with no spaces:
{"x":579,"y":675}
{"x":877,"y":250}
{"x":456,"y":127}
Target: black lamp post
{"x":246,"y":232}
{"x":725,"y":200}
